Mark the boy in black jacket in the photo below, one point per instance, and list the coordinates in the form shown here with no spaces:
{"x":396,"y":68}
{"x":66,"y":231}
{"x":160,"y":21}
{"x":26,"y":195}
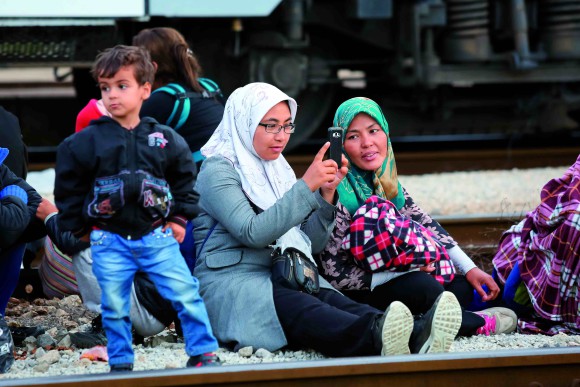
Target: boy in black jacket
{"x":128,"y":183}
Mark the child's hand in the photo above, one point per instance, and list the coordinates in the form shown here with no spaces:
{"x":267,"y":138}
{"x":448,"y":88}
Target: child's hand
{"x":178,"y":231}
{"x":45,"y":208}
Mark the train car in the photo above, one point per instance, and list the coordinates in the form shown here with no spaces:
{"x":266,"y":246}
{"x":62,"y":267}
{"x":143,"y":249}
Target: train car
{"x":438,"y":67}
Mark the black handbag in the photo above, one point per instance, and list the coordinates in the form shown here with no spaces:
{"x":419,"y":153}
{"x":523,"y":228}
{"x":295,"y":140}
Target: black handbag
{"x":294,"y":270}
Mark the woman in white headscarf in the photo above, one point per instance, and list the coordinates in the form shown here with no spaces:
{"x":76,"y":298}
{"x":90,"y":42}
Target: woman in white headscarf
{"x":252,"y":202}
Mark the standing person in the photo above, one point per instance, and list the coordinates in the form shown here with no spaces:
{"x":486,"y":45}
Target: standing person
{"x":150,"y":313}
{"x":18,"y":202}
{"x":251,"y":203}
{"x":126,"y":181}
{"x":198,"y":111}
{"x":372,"y":174}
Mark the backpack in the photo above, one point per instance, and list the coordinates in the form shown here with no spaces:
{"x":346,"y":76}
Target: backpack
{"x":182,"y":99}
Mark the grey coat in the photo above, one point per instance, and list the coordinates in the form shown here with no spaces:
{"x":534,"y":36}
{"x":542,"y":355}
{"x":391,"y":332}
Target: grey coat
{"x":234,"y":267}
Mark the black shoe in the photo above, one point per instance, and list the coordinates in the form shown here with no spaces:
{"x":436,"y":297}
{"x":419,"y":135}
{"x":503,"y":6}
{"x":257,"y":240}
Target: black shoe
{"x":209,"y":359}
{"x":87,"y":339}
{"x":97,"y":324}
{"x":435,"y":330}
{"x":21,"y":333}
{"x":123,"y":367}
{"x":392,"y":330}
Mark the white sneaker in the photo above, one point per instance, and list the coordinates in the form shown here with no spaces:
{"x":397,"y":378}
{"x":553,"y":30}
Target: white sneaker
{"x":497,"y":320}
{"x":436,"y":330}
{"x":396,"y":330}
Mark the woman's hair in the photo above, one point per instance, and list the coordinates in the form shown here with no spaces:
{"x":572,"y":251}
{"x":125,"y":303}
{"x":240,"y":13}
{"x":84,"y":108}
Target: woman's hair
{"x":175,"y":61}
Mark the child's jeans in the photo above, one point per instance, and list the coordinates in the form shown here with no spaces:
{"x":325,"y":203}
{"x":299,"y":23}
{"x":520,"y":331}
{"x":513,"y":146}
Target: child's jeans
{"x":115,"y":262}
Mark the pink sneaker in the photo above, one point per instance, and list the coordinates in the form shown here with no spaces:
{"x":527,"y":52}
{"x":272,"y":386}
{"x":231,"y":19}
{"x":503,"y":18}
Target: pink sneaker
{"x":497,"y":321}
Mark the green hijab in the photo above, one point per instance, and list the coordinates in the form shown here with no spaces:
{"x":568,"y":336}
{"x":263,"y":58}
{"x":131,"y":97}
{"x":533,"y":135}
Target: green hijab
{"x":359,"y":185}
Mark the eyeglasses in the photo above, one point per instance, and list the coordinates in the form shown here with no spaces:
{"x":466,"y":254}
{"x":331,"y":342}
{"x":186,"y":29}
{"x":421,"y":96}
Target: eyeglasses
{"x":276,"y":128}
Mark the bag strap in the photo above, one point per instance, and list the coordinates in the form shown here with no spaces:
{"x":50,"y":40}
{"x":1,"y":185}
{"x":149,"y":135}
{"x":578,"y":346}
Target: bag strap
{"x":182,"y":105}
{"x":212,"y":88}
{"x":207,"y":236}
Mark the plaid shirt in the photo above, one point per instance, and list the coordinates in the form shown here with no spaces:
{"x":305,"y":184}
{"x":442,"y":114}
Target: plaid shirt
{"x":338,"y":265}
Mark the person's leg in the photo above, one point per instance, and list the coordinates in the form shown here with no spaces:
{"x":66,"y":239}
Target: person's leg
{"x":417,"y":290}
{"x":163,"y":263}
{"x":327,"y":322}
{"x":87,"y":283}
{"x":187,"y":247}
{"x":143,"y":321}
{"x":114,"y":267}
{"x":10,"y":262}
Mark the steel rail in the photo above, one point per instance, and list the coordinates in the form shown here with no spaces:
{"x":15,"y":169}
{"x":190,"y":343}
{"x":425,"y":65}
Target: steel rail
{"x":526,"y":367}
{"x":481,"y":231}
{"x":416,"y":163}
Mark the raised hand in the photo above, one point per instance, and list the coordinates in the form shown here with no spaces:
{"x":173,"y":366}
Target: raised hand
{"x":328,"y":189}
{"x":320,"y":171}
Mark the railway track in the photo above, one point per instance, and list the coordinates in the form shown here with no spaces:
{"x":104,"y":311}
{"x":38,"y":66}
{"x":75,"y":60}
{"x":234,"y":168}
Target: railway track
{"x":529,"y":367}
{"x":417,"y":163}
{"x":477,"y":234}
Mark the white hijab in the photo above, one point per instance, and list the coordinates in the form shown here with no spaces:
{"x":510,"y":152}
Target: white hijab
{"x":263,"y":181}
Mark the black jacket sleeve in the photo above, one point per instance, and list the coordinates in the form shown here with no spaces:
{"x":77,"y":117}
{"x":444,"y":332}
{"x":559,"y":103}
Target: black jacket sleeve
{"x":14,"y":214}
{"x":64,"y":240}
{"x":11,"y":138}
{"x":35,"y":229}
{"x":72,"y":182}
{"x":181,"y":175}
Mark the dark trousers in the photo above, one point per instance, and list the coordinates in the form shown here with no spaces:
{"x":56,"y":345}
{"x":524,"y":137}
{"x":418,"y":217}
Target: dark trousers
{"x":10,"y":262}
{"x":418,"y":291}
{"x":327,"y":322}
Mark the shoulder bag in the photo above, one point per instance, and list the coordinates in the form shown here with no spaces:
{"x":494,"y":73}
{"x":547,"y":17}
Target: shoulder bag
{"x":294,"y":270}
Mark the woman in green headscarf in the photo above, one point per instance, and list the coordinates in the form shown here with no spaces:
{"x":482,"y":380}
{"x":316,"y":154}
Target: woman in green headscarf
{"x":372,"y":171}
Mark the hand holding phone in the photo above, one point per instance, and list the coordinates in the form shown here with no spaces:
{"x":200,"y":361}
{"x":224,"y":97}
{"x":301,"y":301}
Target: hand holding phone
{"x":335,"y":139}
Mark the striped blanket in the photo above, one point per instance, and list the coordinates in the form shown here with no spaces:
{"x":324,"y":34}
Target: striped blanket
{"x":545,"y":246}
{"x":56,"y":272}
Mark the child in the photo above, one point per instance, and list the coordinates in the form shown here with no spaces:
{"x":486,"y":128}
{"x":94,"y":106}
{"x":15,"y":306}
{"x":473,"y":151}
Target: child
{"x":129,"y":183}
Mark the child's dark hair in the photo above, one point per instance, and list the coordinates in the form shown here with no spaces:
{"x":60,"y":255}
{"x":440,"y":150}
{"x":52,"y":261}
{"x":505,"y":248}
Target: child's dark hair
{"x":175,"y":61}
{"x":111,"y":60}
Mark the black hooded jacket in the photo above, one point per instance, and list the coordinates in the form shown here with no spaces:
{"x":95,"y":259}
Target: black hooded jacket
{"x":16,"y":218}
{"x":124,"y":181}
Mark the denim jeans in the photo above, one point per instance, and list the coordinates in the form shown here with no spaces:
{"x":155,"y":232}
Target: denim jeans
{"x":143,"y":321}
{"x":115,"y":262}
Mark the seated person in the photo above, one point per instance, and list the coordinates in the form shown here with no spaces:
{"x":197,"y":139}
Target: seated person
{"x":11,"y":138}
{"x":18,"y":202}
{"x":373,"y":174}
{"x":251,"y":204}
{"x":538,"y":260}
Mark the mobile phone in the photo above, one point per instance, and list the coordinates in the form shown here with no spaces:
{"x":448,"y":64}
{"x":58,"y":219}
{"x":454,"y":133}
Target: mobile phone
{"x":335,"y":138}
